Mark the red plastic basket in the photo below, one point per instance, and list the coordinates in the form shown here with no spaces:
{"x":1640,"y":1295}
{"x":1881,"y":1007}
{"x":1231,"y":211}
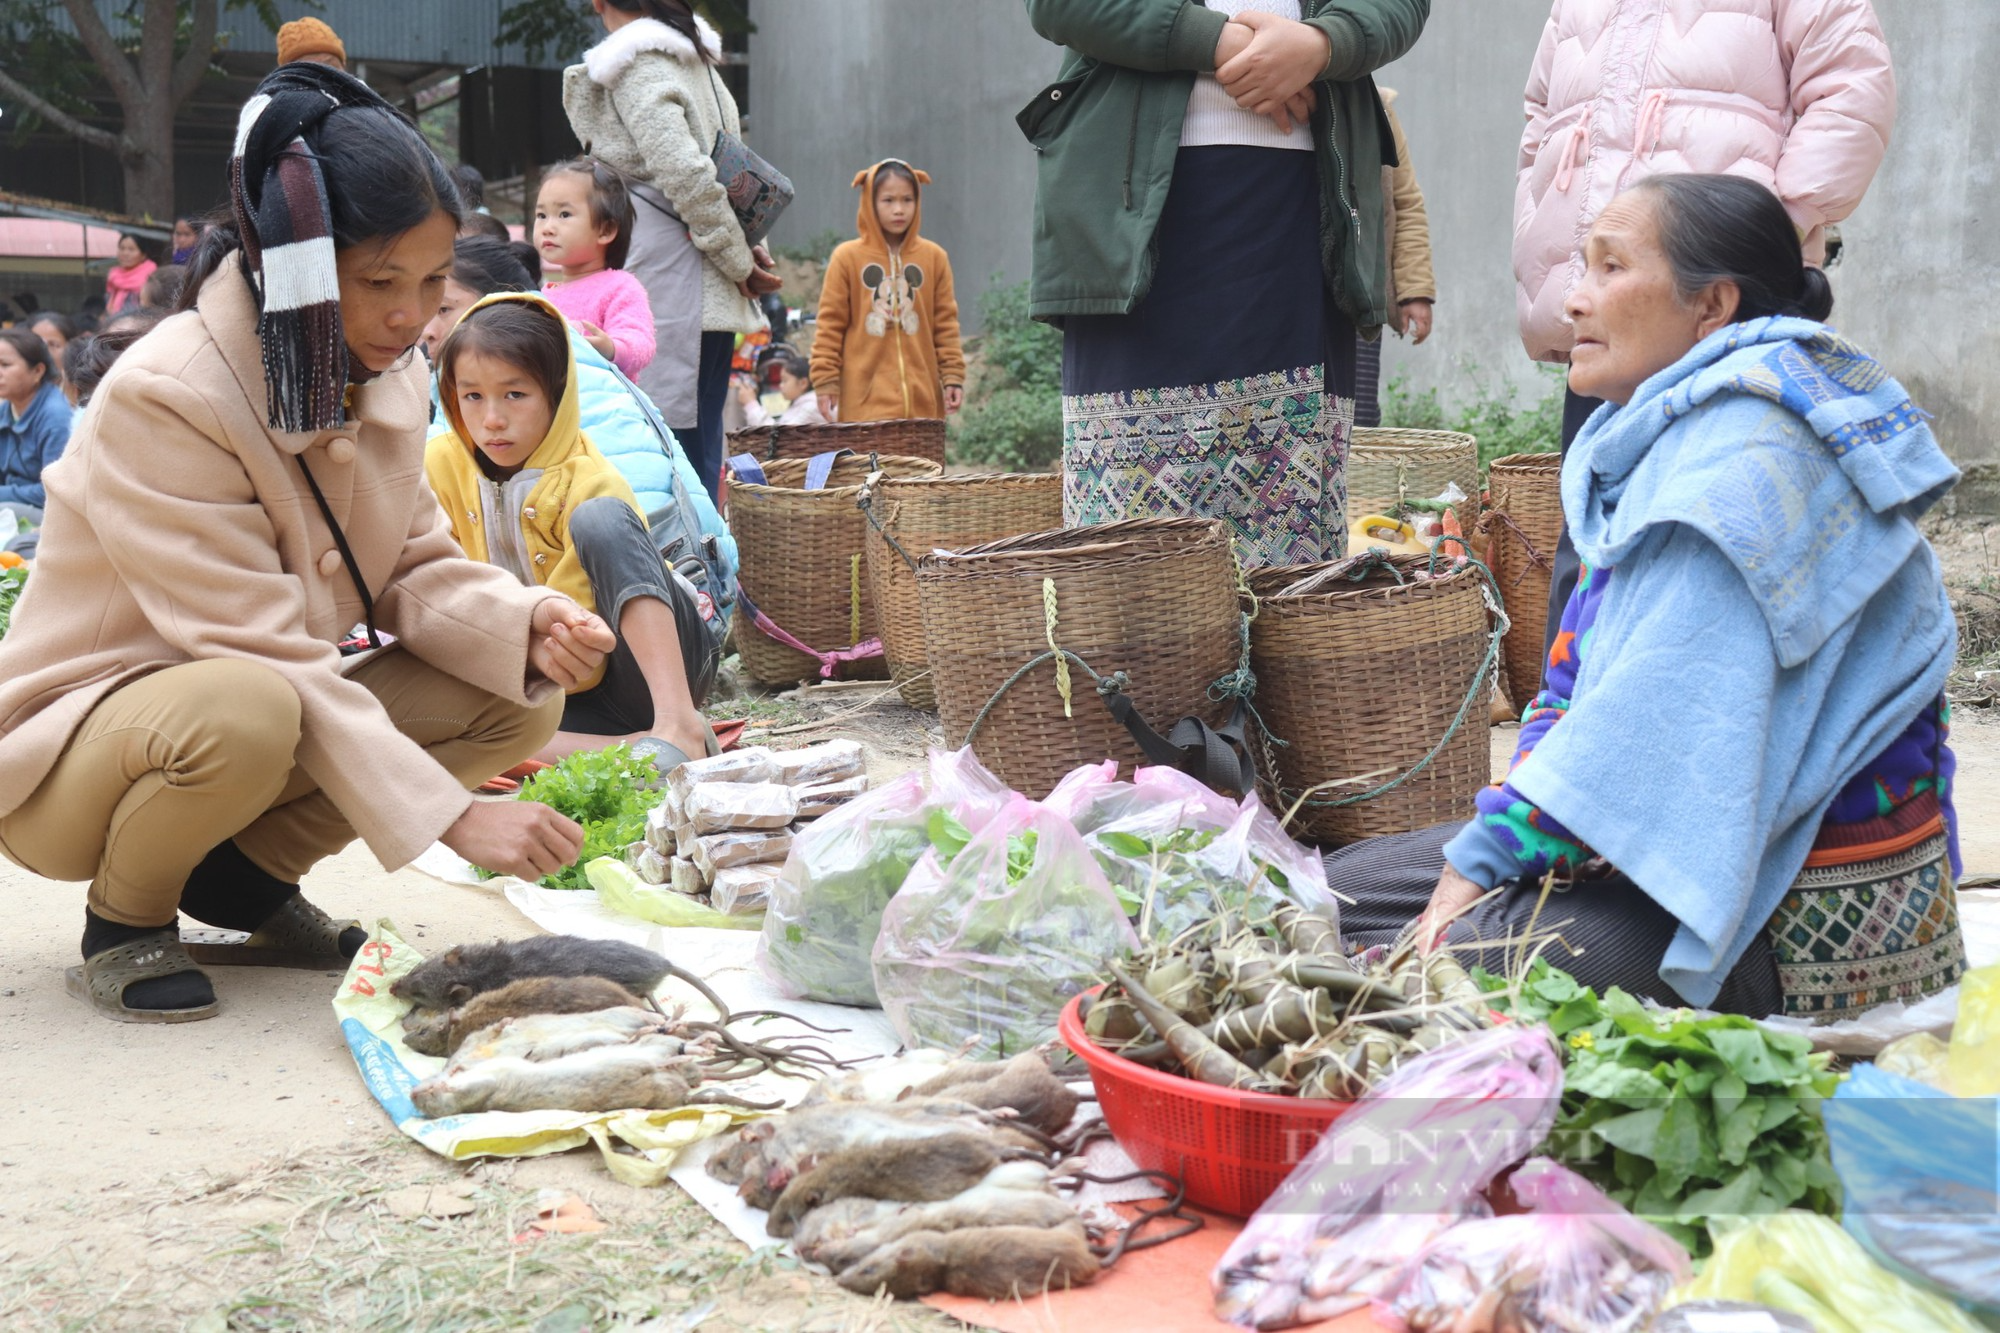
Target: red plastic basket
{"x":1231,"y":1148}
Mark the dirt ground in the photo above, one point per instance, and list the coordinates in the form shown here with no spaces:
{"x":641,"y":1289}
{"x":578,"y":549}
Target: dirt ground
{"x":234,"y":1174}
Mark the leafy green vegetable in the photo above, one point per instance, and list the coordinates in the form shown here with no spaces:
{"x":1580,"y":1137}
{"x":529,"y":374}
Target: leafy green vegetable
{"x":1172,"y":881}
{"x":11,"y":583}
{"x":606,"y":791}
{"x":1681,"y":1119}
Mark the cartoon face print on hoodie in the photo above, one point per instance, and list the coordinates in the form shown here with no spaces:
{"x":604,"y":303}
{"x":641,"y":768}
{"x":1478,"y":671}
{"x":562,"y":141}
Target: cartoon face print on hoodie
{"x":893,"y":298}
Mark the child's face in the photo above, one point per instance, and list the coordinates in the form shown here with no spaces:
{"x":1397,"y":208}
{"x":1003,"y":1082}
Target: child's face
{"x":505,"y":409}
{"x":456,"y":300}
{"x":895,"y":206}
{"x":564,"y":231}
{"x":792,"y":386}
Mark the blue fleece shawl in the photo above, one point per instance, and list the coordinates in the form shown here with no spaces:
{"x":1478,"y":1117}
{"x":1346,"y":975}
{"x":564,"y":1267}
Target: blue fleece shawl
{"x":1776,"y":621}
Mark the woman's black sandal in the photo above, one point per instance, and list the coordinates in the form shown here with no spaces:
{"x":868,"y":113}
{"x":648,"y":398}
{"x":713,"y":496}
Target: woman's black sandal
{"x":102,"y":980}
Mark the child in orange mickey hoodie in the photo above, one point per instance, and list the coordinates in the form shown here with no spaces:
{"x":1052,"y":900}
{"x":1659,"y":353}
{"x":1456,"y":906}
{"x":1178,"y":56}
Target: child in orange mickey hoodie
{"x":887,"y":345}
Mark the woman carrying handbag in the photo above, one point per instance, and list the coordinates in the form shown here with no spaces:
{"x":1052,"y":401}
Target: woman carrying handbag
{"x":648,"y":101}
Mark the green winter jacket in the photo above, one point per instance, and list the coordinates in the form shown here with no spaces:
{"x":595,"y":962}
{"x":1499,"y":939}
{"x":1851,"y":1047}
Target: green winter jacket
{"x":1107,"y":132}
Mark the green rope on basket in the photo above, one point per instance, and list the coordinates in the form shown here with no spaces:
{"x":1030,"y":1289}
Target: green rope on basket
{"x":1489,"y":590}
{"x":1115,"y":683}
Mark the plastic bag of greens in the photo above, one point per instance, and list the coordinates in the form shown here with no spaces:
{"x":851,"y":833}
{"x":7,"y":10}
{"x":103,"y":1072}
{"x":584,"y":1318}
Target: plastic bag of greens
{"x":989,"y":946}
{"x":1176,"y":853}
{"x":1574,"y":1260}
{"x":826,"y":908}
{"x":1805,"y":1264}
{"x":1090,"y":796}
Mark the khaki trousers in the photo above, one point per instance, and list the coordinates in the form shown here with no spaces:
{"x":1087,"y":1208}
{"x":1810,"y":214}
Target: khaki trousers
{"x":169,"y":767}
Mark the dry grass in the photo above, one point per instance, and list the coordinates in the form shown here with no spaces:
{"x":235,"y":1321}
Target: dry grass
{"x":306,"y":1243}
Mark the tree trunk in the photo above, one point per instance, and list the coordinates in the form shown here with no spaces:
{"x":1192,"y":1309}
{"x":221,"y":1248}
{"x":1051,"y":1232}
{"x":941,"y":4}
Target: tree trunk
{"x":148,"y":160}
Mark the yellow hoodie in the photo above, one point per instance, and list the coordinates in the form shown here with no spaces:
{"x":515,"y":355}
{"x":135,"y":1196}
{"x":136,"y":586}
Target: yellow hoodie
{"x":888,"y":319}
{"x":522,"y":524}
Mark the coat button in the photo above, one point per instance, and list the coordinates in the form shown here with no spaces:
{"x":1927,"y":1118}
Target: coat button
{"x":329,"y":564}
{"x":541,"y":559}
{"x":527,"y":511}
{"x":340,"y":450}
{"x":1055,"y":95}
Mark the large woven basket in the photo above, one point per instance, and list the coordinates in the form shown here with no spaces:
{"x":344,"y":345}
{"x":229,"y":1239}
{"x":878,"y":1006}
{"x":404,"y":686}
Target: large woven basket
{"x":801,"y":565}
{"x":917,"y":437}
{"x":1524,"y":525}
{"x":911,"y":517}
{"x":1152,"y":598}
{"x":1385,"y":465}
{"x":1361,"y":678}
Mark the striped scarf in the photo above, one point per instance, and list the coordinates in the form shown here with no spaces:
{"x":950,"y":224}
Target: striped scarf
{"x":279,"y":197}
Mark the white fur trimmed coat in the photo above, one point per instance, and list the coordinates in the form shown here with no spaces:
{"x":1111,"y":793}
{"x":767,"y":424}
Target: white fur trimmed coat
{"x":644,"y":101}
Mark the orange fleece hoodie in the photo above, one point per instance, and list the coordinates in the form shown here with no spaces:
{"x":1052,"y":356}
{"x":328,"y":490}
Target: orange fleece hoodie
{"x":888,"y":320}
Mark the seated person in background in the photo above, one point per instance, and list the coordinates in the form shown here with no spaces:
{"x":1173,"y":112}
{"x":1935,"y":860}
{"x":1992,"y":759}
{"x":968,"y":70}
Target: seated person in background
{"x":583,"y":227}
{"x":525,"y":489}
{"x":1737,"y":771}
{"x":795,"y":385}
{"x":34,"y":421}
{"x":163,"y":289}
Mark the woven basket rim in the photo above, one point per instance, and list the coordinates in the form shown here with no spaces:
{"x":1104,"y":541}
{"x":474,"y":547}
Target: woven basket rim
{"x":972,"y":478}
{"x":1450,"y":579}
{"x":923,"y":469}
{"x":1542,"y":462}
{"x":1064,"y":542}
{"x":1411,"y":441}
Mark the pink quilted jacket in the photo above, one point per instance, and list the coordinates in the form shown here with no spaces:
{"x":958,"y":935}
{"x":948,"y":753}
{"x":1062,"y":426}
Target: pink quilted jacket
{"x":1797,"y":94}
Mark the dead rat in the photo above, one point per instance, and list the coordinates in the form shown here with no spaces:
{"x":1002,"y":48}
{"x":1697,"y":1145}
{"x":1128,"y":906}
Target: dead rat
{"x":517,"y":999}
{"x":933,"y":1168}
{"x":843,"y":1219}
{"x":608,"y":1078}
{"x":981,"y":1206}
{"x":466,"y":970}
{"x":552,"y":1036}
{"x":1022,"y":1085}
{"x":769,"y":1154}
{"x":995,"y":1263}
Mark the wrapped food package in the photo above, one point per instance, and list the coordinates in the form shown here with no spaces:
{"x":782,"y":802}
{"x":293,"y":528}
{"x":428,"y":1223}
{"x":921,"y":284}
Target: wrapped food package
{"x":816,"y":765}
{"x":684,"y":836}
{"x":752,"y":763}
{"x":719,"y":851}
{"x":660,"y":821}
{"x":684,"y":878}
{"x":646,"y":863}
{"x":828,"y":797}
{"x":744,"y":890}
{"x":719,"y":807}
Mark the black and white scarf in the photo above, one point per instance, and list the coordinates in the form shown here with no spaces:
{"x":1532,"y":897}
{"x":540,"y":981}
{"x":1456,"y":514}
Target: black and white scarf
{"x":279,"y":197}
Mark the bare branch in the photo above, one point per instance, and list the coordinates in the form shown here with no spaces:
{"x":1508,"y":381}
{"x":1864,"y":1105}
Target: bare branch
{"x":62,"y":120}
{"x":111,"y":61}
{"x":193,"y":64}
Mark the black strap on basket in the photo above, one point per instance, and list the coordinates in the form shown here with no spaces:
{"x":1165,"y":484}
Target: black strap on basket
{"x":1217,"y":757}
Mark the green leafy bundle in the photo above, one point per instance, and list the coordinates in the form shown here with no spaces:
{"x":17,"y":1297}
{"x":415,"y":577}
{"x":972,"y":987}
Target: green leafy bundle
{"x":11,"y":583}
{"x":1171,"y":881}
{"x":1679,"y":1118}
{"x":606,"y":791}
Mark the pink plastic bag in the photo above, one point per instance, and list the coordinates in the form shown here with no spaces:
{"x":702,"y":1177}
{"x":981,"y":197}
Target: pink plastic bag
{"x":1575,"y":1260}
{"x":990,"y":949}
{"x":826,"y":908}
{"x":1409,"y":1161}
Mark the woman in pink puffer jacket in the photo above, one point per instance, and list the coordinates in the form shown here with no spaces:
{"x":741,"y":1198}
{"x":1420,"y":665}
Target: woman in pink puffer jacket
{"x":1797,"y":95}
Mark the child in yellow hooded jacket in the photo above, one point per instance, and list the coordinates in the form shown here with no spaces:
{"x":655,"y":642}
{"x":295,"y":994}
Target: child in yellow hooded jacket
{"x":887,"y":345}
{"x":525,"y":489}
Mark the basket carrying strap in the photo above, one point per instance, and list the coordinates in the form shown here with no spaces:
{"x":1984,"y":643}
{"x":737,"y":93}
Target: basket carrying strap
{"x":828,"y":662}
{"x":747,"y":468}
{"x":1216,"y":757}
{"x":820,"y":468}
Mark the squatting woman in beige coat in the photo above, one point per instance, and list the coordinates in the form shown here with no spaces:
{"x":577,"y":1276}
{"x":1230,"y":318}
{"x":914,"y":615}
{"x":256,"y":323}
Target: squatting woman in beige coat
{"x":178,"y":724}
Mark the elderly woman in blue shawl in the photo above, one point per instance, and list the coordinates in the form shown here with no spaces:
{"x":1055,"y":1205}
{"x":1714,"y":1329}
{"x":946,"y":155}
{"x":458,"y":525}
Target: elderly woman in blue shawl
{"x":1734,"y":789}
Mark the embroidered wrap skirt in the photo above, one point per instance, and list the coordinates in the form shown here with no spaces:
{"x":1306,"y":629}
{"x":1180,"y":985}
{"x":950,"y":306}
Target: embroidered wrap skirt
{"x":1228,"y":392}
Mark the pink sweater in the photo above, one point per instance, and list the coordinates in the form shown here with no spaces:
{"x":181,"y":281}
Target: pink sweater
{"x":614,"y":301}
{"x":1795,"y":94}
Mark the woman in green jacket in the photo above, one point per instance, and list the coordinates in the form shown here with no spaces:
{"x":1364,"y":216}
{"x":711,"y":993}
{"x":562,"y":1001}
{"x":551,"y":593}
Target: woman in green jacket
{"x":1208,"y":232}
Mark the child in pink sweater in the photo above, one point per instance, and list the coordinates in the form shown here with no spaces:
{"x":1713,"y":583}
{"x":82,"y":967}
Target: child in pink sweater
{"x":583,"y":227}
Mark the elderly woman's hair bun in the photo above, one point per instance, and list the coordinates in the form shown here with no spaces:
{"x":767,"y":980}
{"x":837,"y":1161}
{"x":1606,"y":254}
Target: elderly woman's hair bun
{"x":1729,"y":229}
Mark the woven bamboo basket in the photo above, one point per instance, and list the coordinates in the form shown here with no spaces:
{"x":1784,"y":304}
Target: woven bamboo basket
{"x":1524,"y":524}
{"x":914,"y":516}
{"x":1385,"y":465}
{"x":1152,"y":598}
{"x":801,"y":565}
{"x":917,"y":437}
{"x":1361,"y":679}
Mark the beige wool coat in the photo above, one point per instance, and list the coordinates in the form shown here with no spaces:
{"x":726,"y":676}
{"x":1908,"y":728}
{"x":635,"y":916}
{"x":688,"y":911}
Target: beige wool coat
{"x":179,"y":528}
{"x":644,"y":101}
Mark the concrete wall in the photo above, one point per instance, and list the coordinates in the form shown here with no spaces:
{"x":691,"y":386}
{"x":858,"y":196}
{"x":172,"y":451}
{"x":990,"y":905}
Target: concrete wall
{"x":838,"y":84}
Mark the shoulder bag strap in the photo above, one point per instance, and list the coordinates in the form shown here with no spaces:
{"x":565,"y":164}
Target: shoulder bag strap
{"x":346,"y":553}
